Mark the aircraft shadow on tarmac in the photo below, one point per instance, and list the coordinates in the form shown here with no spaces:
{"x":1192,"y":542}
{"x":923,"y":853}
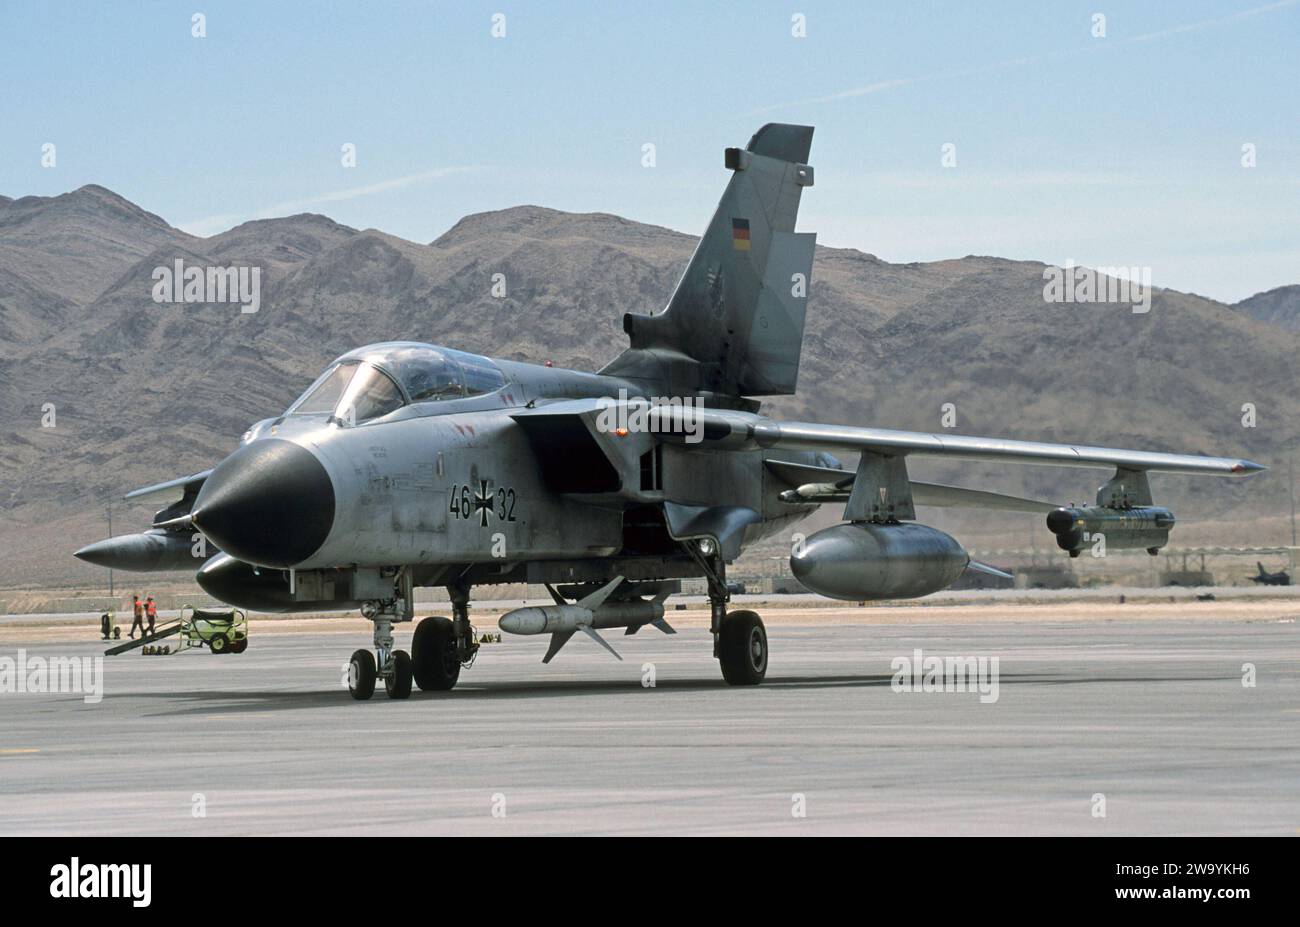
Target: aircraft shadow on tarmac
{"x":206,"y":702}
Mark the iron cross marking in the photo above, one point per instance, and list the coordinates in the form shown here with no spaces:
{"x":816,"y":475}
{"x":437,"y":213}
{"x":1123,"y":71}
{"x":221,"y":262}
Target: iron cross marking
{"x":483,"y":503}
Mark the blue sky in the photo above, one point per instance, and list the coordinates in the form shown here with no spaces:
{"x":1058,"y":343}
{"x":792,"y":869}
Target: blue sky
{"x":1123,"y":150}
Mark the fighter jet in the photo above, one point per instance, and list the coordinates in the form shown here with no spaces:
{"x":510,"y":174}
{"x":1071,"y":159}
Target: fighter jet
{"x":411,"y":465}
{"x":1265,"y":578}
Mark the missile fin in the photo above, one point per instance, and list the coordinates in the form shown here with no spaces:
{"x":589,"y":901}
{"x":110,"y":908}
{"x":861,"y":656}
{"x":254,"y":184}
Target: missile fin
{"x":597,"y":598}
{"x":558,"y":640}
{"x":664,"y":626}
{"x":631,"y":629}
{"x":559,"y":599}
{"x":600,"y":640}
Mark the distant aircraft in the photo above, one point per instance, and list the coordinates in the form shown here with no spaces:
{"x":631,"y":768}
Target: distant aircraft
{"x":406,"y":464}
{"x":1265,"y":578}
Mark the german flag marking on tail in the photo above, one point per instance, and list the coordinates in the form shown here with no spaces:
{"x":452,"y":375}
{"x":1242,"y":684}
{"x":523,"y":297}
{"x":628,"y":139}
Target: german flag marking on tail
{"x":740,"y":234}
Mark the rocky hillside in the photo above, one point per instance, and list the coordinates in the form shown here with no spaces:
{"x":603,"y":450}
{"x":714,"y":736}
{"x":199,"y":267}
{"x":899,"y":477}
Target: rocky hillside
{"x":1279,"y":306}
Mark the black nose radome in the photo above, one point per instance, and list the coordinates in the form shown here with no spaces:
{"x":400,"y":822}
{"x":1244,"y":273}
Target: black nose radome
{"x":270,"y":503}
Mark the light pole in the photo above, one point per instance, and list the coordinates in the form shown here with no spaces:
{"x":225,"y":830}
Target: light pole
{"x":110,"y":534}
{"x":1290,"y":467}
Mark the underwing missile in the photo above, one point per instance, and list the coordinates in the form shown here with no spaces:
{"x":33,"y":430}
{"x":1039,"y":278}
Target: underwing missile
{"x":817,"y":492}
{"x":563,"y":619}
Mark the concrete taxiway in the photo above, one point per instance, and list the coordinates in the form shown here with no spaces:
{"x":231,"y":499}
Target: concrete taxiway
{"x":1150,"y":714}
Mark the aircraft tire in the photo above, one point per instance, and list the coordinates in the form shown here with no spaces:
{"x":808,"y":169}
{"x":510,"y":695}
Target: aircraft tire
{"x":361,"y":675}
{"x":398,"y":684}
{"x":742,"y":648}
{"x":434,"y":663}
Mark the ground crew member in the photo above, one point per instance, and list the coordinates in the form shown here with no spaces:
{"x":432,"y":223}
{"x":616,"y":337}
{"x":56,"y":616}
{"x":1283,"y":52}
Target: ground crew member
{"x":152,"y":611}
{"x":138,"y":609}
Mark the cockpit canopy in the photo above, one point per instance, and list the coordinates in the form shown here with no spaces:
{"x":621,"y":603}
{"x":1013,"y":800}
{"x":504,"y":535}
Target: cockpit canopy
{"x":380,"y":378}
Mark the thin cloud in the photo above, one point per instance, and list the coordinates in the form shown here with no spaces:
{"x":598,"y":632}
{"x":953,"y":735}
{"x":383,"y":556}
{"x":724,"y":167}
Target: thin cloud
{"x":883,"y":85}
{"x":1207,"y":23}
{"x":219,"y":223}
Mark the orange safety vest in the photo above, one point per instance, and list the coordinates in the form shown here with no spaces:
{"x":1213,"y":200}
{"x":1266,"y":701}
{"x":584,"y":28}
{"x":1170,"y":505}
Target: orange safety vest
{"x":152,"y":609}
{"x":139,"y":608}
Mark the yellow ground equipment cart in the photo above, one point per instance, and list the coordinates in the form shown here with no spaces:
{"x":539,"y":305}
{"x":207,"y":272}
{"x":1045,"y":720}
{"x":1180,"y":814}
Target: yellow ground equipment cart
{"x":219,"y":631}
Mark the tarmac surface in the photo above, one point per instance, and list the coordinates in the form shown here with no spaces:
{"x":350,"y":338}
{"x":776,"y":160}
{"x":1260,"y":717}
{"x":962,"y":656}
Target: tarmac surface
{"x":1152,"y":715}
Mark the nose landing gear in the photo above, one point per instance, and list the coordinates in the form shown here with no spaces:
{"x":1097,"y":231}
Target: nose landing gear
{"x":386,"y":663}
{"x":361,"y":675}
{"x":398,"y":682}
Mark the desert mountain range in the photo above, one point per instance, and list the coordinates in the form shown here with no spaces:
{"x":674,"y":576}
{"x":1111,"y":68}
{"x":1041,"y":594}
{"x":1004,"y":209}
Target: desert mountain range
{"x":143,"y":391}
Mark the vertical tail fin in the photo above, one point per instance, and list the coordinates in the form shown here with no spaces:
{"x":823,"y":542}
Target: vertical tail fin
{"x":734,"y":325}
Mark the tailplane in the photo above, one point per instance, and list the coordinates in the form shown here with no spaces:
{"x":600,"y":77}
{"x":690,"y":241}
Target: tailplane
{"x":734,"y":325}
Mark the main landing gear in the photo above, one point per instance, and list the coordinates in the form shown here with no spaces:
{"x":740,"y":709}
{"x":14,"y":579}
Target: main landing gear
{"x":742,"y":648}
{"x":434,"y":659}
{"x":739,"y":637}
{"x":441,"y":646}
